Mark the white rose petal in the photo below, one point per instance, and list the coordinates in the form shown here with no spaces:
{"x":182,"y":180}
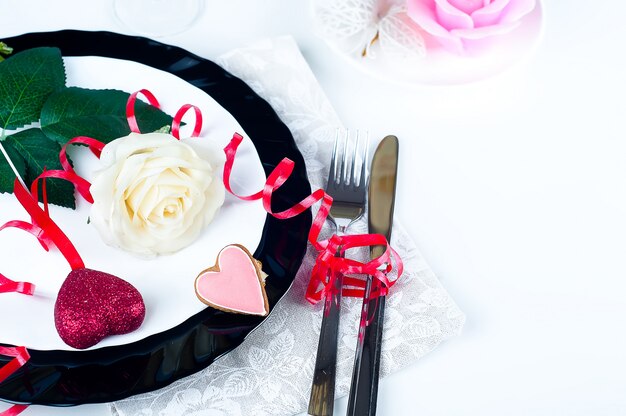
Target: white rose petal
{"x":154,"y":194}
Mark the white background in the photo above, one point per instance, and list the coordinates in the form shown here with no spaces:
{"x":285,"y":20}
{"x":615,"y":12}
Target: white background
{"x":513,"y":188}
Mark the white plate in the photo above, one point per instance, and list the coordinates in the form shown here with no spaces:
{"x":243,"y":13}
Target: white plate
{"x":166,"y":282}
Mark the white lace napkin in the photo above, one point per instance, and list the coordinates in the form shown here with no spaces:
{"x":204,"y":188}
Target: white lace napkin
{"x":271,"y":372}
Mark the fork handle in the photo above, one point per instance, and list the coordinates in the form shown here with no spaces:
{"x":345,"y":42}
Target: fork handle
{"x":322,"y":400}
{"x":364,"y":386}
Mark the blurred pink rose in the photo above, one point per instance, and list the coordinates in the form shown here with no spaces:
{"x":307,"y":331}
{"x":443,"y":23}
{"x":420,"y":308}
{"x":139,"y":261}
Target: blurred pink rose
{"x":455,"y":23}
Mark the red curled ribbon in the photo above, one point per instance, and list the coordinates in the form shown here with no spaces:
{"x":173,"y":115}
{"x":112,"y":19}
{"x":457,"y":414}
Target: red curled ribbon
{"x":130,"y":108}
{"x":81,"y":184}
{"x":178,"y":118}
{"x":41,"y":220}
{"x":7,"y":286}
{"x":327,"y":263}
{"x":32,"y":229}
{"x":20,"y":357}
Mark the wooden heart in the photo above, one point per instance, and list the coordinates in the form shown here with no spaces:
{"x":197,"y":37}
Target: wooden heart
{"x":92,"y":305}
{"x":235,"y":283}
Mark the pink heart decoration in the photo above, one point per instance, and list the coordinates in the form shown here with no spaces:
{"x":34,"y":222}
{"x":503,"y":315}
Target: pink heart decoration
{"x":92,"y":305}
{"x":235,"y":284}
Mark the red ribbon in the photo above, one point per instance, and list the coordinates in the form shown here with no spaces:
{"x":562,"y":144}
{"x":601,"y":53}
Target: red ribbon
{"x":81,"y":184}
{"x":32,"y":229}
{"x":42,"y":220}
{"x":42,"y":226}
{"x":9,"y":286}
{"x":14,"y":410}
{"x":20,"y":357}
{"x":327,"y":263}
{"x":130,"y":108}
{"x":178,"y":118}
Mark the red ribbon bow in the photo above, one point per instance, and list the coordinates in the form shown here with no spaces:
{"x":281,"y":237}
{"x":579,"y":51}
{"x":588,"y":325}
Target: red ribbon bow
{"x":327,"y":263}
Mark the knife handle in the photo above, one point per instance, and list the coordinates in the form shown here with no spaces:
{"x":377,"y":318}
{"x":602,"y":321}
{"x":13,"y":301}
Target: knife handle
{"x":322,"y":400}
{"x":364,"y":386}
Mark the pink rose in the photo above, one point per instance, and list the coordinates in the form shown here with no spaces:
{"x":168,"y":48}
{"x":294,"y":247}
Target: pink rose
{"x":456,"y":23}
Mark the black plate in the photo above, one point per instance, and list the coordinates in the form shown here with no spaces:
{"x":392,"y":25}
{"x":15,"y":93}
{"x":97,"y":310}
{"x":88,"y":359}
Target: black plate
{"x":113,"y":373}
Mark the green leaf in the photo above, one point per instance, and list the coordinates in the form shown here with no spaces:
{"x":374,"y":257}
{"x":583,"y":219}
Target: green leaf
{"x":7,"y":176}
{"x":38,"y":152}
{"x":26,"y":80}
{"x":100,"y":114}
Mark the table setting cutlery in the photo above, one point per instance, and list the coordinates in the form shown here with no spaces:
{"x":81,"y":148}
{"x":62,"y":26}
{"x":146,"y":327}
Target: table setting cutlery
{"x":348,"y":206}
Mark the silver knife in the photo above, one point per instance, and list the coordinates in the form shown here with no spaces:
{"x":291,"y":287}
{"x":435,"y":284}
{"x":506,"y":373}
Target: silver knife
{"x":381,"y":197}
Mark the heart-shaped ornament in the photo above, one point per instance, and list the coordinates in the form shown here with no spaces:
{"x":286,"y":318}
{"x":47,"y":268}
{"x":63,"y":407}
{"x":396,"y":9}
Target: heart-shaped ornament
{"x":92,"y":305}
{"x":235,"y":283}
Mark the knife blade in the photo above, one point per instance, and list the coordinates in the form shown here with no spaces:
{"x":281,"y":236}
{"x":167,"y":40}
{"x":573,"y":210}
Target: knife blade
{"x":381,"y":198}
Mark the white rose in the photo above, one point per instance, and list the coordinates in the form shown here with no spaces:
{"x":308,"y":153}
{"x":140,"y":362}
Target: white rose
{"x":154,"y":194}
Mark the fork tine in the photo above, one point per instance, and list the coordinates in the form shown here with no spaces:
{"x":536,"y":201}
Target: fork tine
{"x":344,"y":178}
{"x":355,"y":159}
{"x":332,"y":172}
{"x":364,"y":159}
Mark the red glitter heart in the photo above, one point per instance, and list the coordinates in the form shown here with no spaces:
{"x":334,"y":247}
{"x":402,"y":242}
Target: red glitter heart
{"x":92,"y":305}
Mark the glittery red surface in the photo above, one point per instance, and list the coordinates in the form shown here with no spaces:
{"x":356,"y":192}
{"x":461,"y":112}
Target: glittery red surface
{"x":92,"y":305}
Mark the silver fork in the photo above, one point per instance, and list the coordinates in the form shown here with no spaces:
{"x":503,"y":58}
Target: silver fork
{"x":347,"y":184}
